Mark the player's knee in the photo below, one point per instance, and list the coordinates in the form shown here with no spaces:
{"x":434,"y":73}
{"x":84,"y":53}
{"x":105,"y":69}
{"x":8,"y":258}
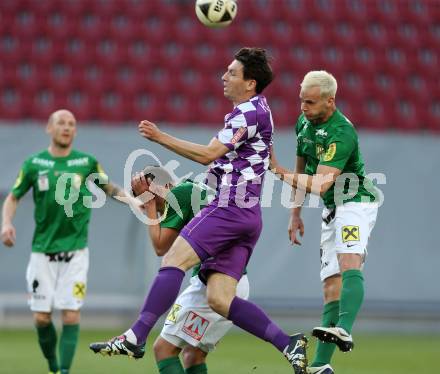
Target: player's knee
{"x":332,"y":288}
{"x":158,"y":349}
{"x":42,"y":319}
{"x":350,"y":261}
{"x":168,"y":260}
{"x":218,"y":304}
{"x":70,"y":317}
{"x":162,"y":349}
{"x":193,"y":356}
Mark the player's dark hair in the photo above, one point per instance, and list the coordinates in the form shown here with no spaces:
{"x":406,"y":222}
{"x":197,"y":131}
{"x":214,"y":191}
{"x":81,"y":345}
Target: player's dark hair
{"x":255,"y":66}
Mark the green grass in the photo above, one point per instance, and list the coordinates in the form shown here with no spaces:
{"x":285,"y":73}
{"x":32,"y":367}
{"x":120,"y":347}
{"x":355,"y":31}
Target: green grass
{"x":236,"y":354}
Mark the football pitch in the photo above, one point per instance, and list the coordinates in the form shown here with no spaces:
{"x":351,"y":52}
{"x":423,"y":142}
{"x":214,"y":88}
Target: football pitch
{"x":236,"y":354}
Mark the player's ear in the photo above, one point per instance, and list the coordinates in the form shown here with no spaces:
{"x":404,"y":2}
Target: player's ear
{"x":252,"y":85}
{"x":49,"y":127}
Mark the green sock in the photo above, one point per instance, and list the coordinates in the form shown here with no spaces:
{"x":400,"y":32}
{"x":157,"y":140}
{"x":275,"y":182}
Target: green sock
{"x":68,"y":342}
{"x":47,"y":338}
{"x":324,"y":351}
{"x":170,"y":365}
{"x":197,"y":369}
{"x":352,"y":296}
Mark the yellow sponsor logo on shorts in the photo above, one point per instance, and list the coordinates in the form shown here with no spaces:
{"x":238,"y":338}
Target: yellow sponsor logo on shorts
{"x":331,"y":151}
{"x":79,"y":290}
{"x":172,"y":315}
{"x":350,"y":234}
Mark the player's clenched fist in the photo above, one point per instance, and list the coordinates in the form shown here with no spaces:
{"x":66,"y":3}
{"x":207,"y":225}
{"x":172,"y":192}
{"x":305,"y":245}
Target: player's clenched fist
{"x":8,"y":235}
{"x":149,"y":130}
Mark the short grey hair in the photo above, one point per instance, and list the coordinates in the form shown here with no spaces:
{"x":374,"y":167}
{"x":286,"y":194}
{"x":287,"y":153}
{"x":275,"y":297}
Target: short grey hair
{"x":58,"y":112}
{"x":322,"y":79}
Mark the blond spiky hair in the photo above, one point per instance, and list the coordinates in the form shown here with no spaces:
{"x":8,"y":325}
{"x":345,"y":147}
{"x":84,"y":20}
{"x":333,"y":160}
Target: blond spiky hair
{"x":322,"y":79}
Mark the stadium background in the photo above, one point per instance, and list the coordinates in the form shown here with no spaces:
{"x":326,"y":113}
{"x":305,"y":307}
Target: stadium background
{"x":115,"y":62}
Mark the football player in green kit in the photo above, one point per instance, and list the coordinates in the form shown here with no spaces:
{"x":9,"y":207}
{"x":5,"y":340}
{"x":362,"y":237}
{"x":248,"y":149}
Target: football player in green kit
{"x":329,"y":164}
{"x":57,"y":270}
{"x":176,"y":205}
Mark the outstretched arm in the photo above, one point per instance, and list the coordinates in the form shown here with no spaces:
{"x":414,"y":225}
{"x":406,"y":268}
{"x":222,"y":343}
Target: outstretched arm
{"x":117,"y":193}
{"x":8,"y":214}
{"x":317,"y":184}
{"x":113,"y":190}
{"x":203,"y":154}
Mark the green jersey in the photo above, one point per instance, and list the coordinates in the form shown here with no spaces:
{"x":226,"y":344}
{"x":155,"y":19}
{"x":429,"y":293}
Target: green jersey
{"x":55,"y":230}
{"x":334,"y":143}
{"x":190,"y":199}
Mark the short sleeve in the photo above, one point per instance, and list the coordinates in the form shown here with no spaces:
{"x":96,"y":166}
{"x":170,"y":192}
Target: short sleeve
{"x":298,"y":128}
{"x":238,"y":131}
{"x":339,"y":149}
{"x":103,"y":177}
{"x":177,"y":208}
{"x":23,"y":182}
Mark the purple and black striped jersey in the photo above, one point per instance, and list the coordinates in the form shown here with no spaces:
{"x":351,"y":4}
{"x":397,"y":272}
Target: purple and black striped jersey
{"x":248,"y":133}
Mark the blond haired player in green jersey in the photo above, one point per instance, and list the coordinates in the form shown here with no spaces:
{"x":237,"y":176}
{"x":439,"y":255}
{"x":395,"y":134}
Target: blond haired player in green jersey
{"x":329,"y":164}
{"x":57,"y":270}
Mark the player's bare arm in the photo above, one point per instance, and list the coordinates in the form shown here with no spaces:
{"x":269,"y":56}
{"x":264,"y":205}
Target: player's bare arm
{"x":317,"y":184}
{"x":161,"y":238}
{"x":113,"y":190}
{"x":117,"y":193}
{"x":8,"y":214}
{"x":203,"y":154}
{"x":295,"y":222}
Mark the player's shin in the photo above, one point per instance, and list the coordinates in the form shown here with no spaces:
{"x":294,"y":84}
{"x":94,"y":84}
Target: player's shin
{"x":170,"y":365}
{"x":251,"y":318}
{"x":161,"y":296}
{"x":47,"y":338}
{"x":352,"y":296}
{"x":254,"y":320}
{"x":67,"y":348}
{"x":324,"y":351}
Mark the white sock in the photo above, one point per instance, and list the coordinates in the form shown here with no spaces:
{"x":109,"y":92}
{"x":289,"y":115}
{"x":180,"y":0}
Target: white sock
{"x":131,"y":337}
